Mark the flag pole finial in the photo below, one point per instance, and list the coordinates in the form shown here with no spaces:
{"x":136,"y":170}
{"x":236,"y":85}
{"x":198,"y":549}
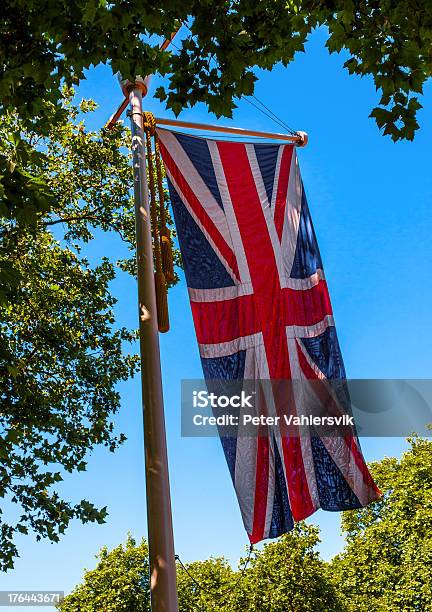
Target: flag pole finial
{"x":141,"y":83}
{"x":303,"y":139}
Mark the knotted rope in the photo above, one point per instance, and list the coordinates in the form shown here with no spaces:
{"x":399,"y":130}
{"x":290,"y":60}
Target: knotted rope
{"x":162,"y":244}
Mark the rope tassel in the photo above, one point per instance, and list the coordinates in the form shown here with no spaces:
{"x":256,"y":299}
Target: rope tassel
{"x":161,"y":302}
{"x":167,"y":254}
{"x":166,"y":242}
{"x":161,"y":288}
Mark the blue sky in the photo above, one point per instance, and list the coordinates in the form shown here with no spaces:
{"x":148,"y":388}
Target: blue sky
{"x":370,"y":200}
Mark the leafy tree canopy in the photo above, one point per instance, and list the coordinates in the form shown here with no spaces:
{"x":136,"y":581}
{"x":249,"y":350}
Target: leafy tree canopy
{"x":286,"y":576}
{"x":386,"y":564}
{"x":45,"y":43}
{"x":120,"y":581}
{"x":387,"y":561}
{"x":61,"y":352}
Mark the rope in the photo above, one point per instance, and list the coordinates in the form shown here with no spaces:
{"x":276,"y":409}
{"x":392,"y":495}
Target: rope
{"x":276,"y":117}
{"x":209,"y":591}
{"x":272,"y":116}
{"x":161,"y":289}
{"x":165,"y":234}
{"x":149,"y":128}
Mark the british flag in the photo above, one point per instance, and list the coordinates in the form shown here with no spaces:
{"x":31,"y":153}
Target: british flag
{"x":261,"y":311}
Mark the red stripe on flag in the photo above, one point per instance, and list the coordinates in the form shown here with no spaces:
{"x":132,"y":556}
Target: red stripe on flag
{"x":301,"y":502}
{"x":269,"y":305}
{"x":217,"y":322}
{"x":225,"y":320}
{"x":307,"y":306}
{"x":261,"y":488}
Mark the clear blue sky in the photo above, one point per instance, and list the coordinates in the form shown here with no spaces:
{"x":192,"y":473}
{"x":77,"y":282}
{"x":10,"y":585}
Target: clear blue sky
{"x":371,"y":204}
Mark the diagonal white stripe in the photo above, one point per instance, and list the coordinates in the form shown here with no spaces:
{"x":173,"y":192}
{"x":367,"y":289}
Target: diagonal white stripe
{"x":196,"y":183}
{"x":246,"y":459}
{"x":337,"y":447}
{"x":292,"y":218}
{"x":255,"y":361}
{"x":276,"y":178}
{"x":304,"y":432}
{"x":231,"y":219}
{"x":202,"y":228}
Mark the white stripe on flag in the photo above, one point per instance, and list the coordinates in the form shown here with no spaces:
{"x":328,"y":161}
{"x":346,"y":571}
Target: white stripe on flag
{"x":221,"y":349}
{"x":337,"y":447}
{"x":310,"y":331}
{"x":246,"y":459}
{"x":231,"y":219}
{"x":292,"y":218}
{"x":276,"y":178}
{"x":220,"y":294}
{"x":304,"y":431}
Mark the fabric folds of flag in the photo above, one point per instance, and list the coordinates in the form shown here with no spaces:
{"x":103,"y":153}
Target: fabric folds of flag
{"x":262,"y":311}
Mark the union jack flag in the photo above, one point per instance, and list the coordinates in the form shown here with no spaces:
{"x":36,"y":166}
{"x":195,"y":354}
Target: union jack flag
{"x":261,"y":310}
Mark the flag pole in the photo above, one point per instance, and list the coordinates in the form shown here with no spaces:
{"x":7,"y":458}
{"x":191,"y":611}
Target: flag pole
{"x":163,"y":587}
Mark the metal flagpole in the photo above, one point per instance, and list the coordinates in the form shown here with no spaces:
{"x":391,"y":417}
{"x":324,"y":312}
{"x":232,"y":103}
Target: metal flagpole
{"x":160,"y":531}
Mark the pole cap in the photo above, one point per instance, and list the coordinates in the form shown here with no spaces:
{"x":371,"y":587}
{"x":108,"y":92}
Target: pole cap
{"x":303,"y":139}
{"x":142,"y":83}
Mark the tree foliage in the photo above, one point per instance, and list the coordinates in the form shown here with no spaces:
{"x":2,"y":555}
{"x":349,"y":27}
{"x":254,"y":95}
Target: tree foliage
{"x":286,"y":576}
{"x":387,"y":561}
{"x":206,"y":585}
{"x":48,"y":44}
{"x":45,"y":43}
{"x":60,"y":361}
{"x":386,"y":564}
{"x":61,"y":352}
{"x":120,"y":581}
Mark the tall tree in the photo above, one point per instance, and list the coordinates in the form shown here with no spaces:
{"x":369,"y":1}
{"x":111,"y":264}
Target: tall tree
{"x":61,"y":352}
{"x":119,"y":583}
{"x":288,"y":575}
{"x":387,"y":561}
